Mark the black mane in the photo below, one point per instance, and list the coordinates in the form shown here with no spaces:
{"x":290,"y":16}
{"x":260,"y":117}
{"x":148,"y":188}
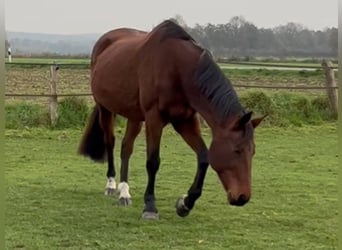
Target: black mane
{"x":170,"y":29}
{"x":218,"y":89}
{"x":208,"y":77}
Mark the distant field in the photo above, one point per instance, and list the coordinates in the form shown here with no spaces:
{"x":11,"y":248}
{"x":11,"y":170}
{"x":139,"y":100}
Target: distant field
{"x":55,"y":198}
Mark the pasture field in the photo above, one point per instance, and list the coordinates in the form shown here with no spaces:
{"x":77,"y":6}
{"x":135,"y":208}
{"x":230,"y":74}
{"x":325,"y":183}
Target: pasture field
{"x":55,"y":198}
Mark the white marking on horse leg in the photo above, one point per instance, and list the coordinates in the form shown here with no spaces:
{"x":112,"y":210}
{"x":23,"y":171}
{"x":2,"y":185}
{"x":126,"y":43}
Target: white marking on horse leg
{"x":124,"y":190}
{"x":110,"y":186}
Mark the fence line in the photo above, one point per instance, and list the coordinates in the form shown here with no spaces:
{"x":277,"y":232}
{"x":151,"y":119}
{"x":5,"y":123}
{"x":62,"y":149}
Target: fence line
{"x":330,"y":87}
{"x":47,"y":64}
{"x":236,"y":86}
{"x":282,"y":87}
{"x":46,"y":95}
{"x":270,"y":65}
{"x":232,"y":63}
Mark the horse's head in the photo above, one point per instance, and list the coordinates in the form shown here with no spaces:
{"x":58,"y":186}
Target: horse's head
{"x":230,"y":155}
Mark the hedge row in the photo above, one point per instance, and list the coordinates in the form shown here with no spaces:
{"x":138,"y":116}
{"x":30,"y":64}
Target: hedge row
{"x":283,"y":109}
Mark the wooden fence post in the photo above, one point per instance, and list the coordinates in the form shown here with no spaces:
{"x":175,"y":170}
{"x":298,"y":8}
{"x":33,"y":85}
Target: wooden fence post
{"x":331,"y":86}
{"x":53,"y":92}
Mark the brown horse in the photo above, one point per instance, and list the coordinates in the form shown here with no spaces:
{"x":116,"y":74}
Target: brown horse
{"x":164,"y":77}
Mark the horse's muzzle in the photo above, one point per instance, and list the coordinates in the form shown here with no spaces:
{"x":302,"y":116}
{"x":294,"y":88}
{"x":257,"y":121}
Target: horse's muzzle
{"x":236,"y":196}
{"x":240,"y":201}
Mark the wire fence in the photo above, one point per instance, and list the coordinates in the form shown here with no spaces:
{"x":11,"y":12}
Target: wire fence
{"x":48,"y":95}
{"x":236,"y":86}
{"x":277,"y":65}
{"x":258,"y":64}
{"x":86,"y":65}
{"x":53,"y":81}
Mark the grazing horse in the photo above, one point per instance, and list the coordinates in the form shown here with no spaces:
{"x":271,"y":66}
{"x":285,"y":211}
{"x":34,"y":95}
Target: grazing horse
{"x":164,"y":77}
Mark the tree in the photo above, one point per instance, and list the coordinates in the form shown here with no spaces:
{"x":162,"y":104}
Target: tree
{"x":333,"y":41}
{"x":237,"y":22}
{"x":287,"y":35}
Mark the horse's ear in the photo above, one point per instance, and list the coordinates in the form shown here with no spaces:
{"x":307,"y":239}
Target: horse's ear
{"x":245,"y":118}
{"x":257,"y":121}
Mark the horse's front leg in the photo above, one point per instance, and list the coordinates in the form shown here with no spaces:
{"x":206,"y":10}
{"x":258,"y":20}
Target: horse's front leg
{"x":190,"y":131}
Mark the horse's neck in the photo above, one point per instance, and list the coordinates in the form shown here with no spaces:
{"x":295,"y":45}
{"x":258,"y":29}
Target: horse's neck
{"x":212,"y":121}
{"x":202,"y":106}
{"x":211,"y":116}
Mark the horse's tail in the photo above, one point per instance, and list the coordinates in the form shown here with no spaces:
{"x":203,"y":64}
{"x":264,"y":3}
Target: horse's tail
{"x":92,"y":143}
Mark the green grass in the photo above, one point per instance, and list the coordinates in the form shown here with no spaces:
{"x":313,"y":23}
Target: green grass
{"x":55,"y":198}
{"x":283,"y":109}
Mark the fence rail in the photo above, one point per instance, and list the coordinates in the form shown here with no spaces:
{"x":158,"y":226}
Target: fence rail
{"x":236,"y":86}
{"x":42,"y":65}
{"x":282,"y":87}
{"x":330,"y":86}
{"x":268,"y":65}
{"x":46,"y":95}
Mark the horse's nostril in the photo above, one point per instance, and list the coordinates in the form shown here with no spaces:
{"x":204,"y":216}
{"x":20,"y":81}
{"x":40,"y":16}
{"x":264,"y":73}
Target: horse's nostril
{"x":242,"y":200}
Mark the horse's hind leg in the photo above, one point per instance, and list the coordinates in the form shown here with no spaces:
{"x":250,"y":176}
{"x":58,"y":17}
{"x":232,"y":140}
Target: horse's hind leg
{"x":154,"y":127}
{"x":106,"y":123}
{"x":132,"y":130}
{"x":190,"y":131}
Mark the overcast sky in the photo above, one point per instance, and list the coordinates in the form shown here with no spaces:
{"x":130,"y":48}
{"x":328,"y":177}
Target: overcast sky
{"x":98,"y":16}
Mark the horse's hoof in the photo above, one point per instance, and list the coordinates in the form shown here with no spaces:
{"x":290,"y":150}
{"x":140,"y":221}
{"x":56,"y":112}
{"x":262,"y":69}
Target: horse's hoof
{"x":181,"y":209}
{"x":110,"y":191}
{"x":124,"y":202}
{"x":150,"y":215}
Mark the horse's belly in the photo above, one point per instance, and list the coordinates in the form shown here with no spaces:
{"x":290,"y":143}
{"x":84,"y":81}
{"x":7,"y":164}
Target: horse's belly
{"x":173,"y":104}
{"x":177,"y":112}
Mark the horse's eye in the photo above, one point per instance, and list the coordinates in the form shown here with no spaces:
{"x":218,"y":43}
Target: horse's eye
{"x":238,"y":151}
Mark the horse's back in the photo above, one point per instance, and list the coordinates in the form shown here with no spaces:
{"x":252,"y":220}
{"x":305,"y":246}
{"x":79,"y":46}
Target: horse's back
{"x":111,"y":37}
